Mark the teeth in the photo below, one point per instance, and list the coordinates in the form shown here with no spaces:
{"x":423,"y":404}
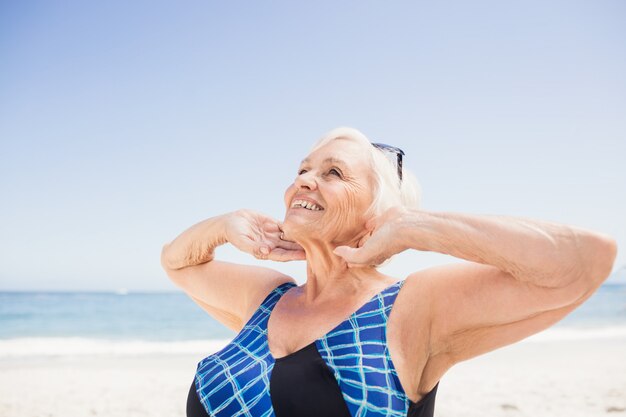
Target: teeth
{"x":305,"y":204}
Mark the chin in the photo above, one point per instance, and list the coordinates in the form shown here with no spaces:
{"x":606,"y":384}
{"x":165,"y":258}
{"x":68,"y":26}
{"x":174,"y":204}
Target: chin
{"x":298,"y":228}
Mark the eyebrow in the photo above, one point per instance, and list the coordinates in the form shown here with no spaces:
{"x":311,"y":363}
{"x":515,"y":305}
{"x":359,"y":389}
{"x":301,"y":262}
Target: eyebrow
{"x":330,"y":160}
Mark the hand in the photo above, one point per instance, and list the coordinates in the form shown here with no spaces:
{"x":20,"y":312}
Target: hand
{"x":380,"y":243}
{"x":259,"y":235}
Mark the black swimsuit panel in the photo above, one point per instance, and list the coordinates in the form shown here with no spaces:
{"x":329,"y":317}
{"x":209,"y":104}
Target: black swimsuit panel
{"x":302,"y":385}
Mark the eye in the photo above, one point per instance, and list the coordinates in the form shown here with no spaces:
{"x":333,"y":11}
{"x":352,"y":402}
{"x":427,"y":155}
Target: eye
{"x":302,"y":171}
{"x":335,"y":172}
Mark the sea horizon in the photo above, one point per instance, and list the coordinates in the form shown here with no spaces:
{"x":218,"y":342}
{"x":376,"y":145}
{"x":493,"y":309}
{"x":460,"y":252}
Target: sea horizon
{"x":74,"y":323}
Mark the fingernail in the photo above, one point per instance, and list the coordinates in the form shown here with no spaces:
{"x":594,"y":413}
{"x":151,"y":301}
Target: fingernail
{"x":264,"y":250}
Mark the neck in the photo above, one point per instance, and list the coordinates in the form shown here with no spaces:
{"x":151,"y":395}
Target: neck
{"x":328,"y":274}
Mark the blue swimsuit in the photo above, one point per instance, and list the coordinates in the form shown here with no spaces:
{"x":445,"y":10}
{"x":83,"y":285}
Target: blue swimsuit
{"x":346,"y":373}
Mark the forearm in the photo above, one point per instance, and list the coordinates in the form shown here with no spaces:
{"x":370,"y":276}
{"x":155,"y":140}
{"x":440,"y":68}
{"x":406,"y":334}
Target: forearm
{"x":544,"y":253}
{"x":195,"y":245}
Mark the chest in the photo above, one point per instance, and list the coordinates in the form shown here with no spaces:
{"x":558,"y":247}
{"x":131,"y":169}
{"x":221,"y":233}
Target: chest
{"x":354,"y":353}
{"x":291,"y":328}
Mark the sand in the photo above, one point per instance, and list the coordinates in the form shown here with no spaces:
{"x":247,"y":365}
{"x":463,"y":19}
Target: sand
{"x":583,"y":378}
{"x":563,"y":378}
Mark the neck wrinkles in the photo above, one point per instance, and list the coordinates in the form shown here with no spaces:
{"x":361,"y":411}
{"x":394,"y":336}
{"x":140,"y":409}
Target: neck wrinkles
{"x":328,"y":273}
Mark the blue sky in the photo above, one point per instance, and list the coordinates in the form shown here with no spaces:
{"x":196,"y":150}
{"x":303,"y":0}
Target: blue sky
{"x":124,"y":123}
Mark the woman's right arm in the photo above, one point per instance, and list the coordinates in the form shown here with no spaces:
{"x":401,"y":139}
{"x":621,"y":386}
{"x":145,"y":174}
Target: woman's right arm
{"x":229,"y":292}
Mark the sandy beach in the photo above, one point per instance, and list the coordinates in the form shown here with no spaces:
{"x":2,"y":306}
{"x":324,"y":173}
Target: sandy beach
{"x":546,"y":378}
{"x":568,"y":378}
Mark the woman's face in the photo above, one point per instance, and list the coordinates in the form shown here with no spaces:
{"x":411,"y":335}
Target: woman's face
{"x":330,"y":194}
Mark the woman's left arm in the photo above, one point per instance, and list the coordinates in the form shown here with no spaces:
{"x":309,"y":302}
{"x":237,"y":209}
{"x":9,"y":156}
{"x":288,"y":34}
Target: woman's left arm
{"x":523,"y":276}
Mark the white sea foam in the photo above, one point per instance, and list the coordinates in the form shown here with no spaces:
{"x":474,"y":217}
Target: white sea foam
{"x":76,"y":346}
{"x":579,"y":333}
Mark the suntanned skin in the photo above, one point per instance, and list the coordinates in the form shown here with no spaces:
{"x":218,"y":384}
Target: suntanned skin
{"x":519,"y":277}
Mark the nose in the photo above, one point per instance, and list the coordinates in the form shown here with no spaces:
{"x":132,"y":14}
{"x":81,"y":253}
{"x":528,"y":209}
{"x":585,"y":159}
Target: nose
{"x":306,"y":180}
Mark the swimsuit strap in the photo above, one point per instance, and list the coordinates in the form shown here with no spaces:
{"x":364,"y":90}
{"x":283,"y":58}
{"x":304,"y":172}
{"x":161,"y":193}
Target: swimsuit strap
{"x":261,"y":316}
{"x":235,"y":380}
{"x":357,"y":352}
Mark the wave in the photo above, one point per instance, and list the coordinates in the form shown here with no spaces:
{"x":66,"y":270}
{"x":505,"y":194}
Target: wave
{"x":79,"y":346}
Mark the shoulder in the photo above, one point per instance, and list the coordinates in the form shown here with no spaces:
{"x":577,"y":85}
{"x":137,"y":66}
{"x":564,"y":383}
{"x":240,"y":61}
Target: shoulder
{"x":418,"y":298}
{"x":262,"y":291}
{"x":414,"y":294}
{"x":411,"y":306}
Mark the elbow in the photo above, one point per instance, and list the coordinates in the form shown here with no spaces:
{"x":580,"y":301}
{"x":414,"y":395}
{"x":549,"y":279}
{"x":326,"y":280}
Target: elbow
{"x":597,"y":261}
{"x":176,"y":270}
{"x":587,"y":268}
{"x":164,"y":257}
{"x":174,"y":276}
{"x":604,"y":258}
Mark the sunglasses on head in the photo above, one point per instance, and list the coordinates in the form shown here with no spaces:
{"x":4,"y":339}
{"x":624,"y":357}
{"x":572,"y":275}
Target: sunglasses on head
{"x":399,"y":153}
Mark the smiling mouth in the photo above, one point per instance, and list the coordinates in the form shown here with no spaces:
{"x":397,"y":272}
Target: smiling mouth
{"x":306,"y":205}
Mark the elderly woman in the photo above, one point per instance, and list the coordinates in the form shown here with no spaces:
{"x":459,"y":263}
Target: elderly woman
{"x":353,"y":341}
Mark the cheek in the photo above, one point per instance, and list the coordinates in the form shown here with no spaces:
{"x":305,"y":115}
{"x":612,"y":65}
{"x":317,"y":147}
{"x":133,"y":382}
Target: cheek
{"x":359,"y":197}
{"x":289,"y":193}
{"x":353,"y":203}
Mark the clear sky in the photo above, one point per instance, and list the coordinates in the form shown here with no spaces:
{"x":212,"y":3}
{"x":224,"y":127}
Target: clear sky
{"x":123,"y":123}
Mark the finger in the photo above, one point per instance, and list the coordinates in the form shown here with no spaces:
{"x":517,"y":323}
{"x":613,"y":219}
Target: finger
{"x":261,"y":251}
{"x":281,"y":236}
{"x":353,"y":255}
{"x":283,"y":255}
{"x":274,"y":240}
{"x":372,"y":223}
{"x":281,"y":240}
{"x":272,"y":226}
{"x":364,"y":239}
{"x":286,"y":244}
{"x":248,"y":245}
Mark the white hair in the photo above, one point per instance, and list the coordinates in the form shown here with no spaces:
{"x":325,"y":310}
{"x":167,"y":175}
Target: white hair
{"x":389,"y":191}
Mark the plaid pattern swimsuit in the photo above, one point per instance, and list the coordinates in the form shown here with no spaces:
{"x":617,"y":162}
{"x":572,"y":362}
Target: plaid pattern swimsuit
{"x":346,"y":373}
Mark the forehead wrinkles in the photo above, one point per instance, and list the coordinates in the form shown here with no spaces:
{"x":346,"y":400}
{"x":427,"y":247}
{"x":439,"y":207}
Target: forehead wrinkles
{"x":360,"y":172}
{"x":329,"y":160}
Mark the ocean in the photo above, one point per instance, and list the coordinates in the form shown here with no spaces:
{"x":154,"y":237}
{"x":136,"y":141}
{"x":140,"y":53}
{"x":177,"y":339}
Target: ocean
{"x":81,"y":323}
